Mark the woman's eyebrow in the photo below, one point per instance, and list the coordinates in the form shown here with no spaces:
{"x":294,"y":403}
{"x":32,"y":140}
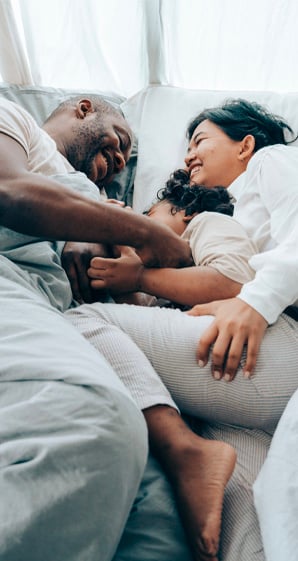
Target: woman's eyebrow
{"x":199,"y":133}
{"x":194,"y":138}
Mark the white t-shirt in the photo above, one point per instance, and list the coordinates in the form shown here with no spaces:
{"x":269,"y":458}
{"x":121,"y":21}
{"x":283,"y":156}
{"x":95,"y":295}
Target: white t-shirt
{"x":38,"y":261}
{"x":220,"y":242}
{"x":267,"y":206}
{"x":41,"y":150}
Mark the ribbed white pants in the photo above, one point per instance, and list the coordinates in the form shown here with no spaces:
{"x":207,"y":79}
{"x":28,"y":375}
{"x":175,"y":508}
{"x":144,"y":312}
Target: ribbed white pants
{"x":154,"y":354}
{"x":162,"y":366}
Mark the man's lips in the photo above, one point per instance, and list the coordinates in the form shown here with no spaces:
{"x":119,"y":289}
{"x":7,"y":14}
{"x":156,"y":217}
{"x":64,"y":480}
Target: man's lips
{"x":109,"y":163}
{"x":106,"y":169}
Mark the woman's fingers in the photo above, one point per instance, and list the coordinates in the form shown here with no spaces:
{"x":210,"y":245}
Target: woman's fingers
{"x":235,"y":326}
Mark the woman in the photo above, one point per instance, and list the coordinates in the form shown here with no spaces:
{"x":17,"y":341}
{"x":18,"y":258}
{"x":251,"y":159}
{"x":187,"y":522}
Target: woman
{"x":242,"y":147}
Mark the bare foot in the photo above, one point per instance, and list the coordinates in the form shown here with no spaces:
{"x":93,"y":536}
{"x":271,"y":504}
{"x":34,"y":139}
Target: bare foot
{"x":199,"y":470}
{"x":199,"y":475}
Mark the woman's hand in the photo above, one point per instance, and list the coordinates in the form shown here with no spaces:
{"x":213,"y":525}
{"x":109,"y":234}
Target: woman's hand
{"x":119,"y":275}
{"x":236,"y":324}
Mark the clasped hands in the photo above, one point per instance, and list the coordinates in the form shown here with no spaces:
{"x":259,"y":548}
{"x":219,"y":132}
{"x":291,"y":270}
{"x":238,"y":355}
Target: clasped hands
{"x":120,"y":274}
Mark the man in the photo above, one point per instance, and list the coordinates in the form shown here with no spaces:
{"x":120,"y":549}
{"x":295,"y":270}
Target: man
{"x":73,"y":444}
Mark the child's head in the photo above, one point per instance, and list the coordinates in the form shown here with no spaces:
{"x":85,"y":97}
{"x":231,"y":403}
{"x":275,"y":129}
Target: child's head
{"x":178,"y":202}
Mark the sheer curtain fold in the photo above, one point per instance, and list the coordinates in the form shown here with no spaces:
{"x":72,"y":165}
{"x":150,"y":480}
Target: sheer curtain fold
{"x":155,"y":52}
{"x":13,"y":63}
{"x":124,"y":46}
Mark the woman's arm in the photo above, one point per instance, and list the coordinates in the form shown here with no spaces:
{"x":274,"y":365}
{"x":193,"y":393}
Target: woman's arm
{"x":276,"y":282}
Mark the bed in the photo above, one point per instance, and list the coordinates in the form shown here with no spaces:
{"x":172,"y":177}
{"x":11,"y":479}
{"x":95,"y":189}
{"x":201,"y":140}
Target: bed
{"x":158,"y":116}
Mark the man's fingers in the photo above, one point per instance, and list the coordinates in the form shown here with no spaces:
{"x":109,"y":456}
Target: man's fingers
{"x":84,"y":287}
{"x":74,"y":283}
{"x":115,"y":202}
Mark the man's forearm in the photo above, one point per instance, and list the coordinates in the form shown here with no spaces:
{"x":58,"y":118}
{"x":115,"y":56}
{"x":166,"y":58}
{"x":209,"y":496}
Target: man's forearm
{"x":53,"y":211}
{"x":38,"y":206}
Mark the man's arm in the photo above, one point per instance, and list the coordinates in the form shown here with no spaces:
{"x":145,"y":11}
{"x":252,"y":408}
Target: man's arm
{"x":36,"y":205}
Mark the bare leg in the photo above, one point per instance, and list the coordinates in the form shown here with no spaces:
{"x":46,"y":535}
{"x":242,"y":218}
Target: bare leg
{"x":199,"y":470}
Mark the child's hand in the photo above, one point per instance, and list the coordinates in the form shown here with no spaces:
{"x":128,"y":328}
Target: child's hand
{"x":119,"y":275}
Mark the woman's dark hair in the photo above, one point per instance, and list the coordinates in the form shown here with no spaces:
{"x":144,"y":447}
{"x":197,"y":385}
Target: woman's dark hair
{"x":239,"y":117}
{"x":194,"y":198}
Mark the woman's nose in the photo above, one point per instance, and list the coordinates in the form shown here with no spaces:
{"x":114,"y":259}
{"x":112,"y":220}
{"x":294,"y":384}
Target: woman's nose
{"x":188,"y":158}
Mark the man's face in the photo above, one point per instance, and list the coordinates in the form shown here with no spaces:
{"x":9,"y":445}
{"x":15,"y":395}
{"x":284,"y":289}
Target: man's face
{"x":100,"y":146}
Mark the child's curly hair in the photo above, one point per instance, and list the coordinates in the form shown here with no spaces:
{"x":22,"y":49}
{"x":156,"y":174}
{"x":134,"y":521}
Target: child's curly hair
{"x":194,"y":198}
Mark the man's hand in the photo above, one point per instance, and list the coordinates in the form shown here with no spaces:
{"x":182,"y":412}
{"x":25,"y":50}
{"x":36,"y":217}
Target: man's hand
{"x":236,"y":324}
{"x":117,"y":275}
{"x":164,"y":248}
{"x":75,"y":260}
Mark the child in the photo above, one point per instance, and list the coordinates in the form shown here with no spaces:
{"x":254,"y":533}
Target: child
{"x":220,"y":248}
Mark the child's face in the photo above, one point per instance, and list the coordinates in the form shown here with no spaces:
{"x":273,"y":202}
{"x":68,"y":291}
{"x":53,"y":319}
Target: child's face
{"x":162,"y":213}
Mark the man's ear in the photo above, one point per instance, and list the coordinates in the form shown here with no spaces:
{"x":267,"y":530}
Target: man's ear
{"x":83,"y":107}
{"x":247,"y":147}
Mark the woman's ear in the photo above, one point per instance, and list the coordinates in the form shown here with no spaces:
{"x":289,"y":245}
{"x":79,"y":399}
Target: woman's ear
{"x":247,"y":147}
{"x":83,"y":107}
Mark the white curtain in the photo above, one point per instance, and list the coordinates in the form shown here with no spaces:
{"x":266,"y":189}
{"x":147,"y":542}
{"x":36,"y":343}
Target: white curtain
{"x":124,"y":45}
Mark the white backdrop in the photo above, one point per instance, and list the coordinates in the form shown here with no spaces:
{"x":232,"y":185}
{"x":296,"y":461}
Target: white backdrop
{"x":124,"y":45}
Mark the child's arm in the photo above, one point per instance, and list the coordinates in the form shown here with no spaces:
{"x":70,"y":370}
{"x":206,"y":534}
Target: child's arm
{"x":187,"y":286}
{"x":221,"y":250}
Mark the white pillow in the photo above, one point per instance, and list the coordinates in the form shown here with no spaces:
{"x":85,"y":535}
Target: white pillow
{"x":159,"y":116}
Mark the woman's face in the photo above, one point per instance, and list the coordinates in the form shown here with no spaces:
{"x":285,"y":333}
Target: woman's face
{"x":213,"y":158}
